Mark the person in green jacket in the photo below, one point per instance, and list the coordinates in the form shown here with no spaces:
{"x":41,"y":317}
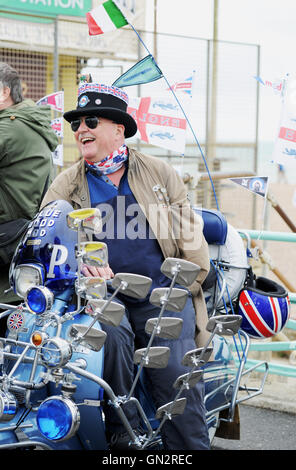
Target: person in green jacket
{"x":26,"y":143}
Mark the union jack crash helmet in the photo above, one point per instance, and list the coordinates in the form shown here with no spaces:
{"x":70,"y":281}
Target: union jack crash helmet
{"x":264,"y":307}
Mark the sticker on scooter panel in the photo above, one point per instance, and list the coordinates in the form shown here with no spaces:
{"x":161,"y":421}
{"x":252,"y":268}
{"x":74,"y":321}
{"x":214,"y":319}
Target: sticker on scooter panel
{"x":46,"y":219}
{"x":59,"y":256}
{"x":15,"y":321}
{"x":33,"y":242}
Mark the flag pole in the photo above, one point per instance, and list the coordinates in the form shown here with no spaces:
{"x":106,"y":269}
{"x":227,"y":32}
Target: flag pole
{"x":181,"y":107}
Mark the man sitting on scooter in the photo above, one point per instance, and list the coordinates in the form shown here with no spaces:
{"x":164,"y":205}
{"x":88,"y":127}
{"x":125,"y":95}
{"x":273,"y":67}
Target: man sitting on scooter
{"x":146,"y":218}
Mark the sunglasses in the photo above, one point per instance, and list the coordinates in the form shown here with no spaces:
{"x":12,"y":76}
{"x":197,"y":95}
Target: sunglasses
{"x":90,"y":121}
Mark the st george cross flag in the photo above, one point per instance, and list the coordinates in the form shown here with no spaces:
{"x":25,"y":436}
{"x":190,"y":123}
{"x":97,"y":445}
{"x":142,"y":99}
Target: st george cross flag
{"x":54,"y":100}
{"x":185,"y":86}
{"x":160,"y":122}
{"x":256,"y":184}
{"x":104,"y":18}
{"x":144,"y":71}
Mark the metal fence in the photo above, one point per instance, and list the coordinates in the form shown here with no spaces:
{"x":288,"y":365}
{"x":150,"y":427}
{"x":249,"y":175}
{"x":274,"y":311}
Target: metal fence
{"x":49,"y":54}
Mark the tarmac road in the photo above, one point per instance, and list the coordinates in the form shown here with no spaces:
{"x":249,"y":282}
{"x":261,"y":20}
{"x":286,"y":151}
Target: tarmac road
{"x":262,"y":429}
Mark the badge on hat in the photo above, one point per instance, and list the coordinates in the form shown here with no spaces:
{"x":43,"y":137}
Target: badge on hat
{"x":83,"y":101}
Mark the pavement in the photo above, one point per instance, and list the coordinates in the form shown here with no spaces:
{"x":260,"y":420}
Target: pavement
{"x":263,"y":430}
{"x":278,"y":396}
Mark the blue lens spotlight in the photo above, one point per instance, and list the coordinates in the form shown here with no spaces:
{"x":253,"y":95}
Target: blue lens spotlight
{"x":58,"y":418}
{"x":39,"y":299}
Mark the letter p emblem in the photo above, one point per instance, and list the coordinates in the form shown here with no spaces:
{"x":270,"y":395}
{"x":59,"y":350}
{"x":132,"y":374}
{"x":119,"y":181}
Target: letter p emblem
{"x":59,"y":256}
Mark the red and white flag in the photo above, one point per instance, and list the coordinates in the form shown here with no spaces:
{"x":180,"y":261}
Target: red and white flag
{"x":160,"y":122}
{"x":58,"y":126}
{"x":185,"y":85}
{"x":285,"y":146}
{"x":276,"y":85}
{"x":54,"y":100}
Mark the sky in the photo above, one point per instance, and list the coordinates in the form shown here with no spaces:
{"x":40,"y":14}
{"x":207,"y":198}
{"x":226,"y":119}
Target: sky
{"x":268,"y":23}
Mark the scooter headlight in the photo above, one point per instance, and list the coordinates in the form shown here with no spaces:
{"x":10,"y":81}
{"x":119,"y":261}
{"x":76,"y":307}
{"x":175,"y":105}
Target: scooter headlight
{"x":26,"y":276}
{"x":58,"y":418}
{"x":8,"y":406}
{"x":39,"y":299}
{"x":55,"y":352}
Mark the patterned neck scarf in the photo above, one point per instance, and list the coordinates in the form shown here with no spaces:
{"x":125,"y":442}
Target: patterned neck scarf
{"x":111,"y":163}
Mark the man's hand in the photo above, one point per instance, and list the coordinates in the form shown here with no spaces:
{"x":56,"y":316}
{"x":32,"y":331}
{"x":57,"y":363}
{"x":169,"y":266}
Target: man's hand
{"x":92,"y":271}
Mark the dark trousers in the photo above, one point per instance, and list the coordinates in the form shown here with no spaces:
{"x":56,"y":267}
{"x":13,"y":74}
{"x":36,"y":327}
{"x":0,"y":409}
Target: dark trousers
{"x":184,"y":432}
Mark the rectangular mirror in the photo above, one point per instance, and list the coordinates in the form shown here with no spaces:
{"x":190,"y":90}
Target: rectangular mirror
{"x":176,"y":301}
{"x":168,"y":328}
{"x":187,"y":271}
{"x":89,"y":218}
{"x":227,"y":325}
{"x":133,"y":285}
{"x":94,"y":253}
{"x":191,"y":358}
{"x":189,"y":380}
{"x":157,"y":357}
{"x":110,"y":315}
{"x":91,"y":287}
{"x":94,"y":338}
{"x":174,"y":408}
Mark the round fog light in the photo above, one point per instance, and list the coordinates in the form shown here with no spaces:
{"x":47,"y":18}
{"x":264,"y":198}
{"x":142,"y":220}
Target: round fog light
{"x":58,"y":418}
{"x":39,"y":299}
{"x":55,"y":352}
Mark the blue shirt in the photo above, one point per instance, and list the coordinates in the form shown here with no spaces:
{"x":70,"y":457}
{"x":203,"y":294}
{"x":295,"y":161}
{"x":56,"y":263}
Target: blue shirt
{"x":132,"y":246}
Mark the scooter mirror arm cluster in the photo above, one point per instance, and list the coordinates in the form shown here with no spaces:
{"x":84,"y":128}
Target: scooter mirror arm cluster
{"x":218,"y":329}
{"x":63,"y":368}
{"x":154,"y":332}
{"x":122,"y":285}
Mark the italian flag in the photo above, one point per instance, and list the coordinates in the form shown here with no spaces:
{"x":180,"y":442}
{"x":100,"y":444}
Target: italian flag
{"x":104,"y":18}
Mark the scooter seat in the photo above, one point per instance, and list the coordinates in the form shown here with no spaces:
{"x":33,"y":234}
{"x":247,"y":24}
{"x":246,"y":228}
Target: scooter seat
{"x":215,"y":226}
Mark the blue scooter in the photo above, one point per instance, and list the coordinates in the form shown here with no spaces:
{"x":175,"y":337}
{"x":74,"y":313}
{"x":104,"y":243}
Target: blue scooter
{"x":51,"y":359}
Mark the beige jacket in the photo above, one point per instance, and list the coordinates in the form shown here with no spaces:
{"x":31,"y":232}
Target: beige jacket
{"x":163,"y":198}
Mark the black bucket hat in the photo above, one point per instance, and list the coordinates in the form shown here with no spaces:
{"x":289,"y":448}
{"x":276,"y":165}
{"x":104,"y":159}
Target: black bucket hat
{"x":105,"y":101}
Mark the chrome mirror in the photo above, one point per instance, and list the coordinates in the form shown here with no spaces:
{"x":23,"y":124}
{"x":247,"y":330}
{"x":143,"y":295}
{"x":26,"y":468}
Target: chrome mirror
{"x":174,"y":408}
{"x":133,"y":285}
{"x":91,"y":287}
{"x":94,"y":339}
{"x":185,"y":271}
{"x":94,"y":253}
{"x":227,"y":325}
{"x":188,"y":380}
{"x":176,"y":301}
{"x":192,"y":358}
{"x":86,"y":218}
{"x":157,"y":357}
{"x":168,"y":327}
{"x":108,"y":313}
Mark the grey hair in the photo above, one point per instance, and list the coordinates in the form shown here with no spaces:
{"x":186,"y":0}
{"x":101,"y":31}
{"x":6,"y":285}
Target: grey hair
{"x":9,"y":78}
